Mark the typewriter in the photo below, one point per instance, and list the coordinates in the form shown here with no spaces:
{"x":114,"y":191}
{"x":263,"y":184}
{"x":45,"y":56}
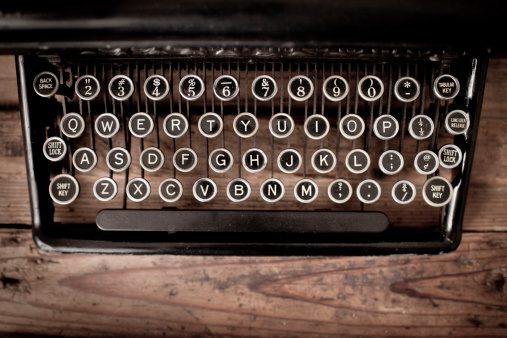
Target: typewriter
{"x":231,"y":141}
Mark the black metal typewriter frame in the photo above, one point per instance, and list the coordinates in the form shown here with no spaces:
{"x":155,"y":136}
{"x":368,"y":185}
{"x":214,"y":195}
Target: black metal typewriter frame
{"x":54,"y":237}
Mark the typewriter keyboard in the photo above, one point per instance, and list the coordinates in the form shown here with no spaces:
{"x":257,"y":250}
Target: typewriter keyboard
{"x":345,"y":142}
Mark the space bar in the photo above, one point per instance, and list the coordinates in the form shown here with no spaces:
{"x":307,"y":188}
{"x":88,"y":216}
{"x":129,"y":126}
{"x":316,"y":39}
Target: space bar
{"x":241,"y":221}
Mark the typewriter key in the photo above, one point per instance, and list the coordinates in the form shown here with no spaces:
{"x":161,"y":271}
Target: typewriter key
{"x":210,"y":125}
{"x":437,"y":191}
{"x":84,"y":159}
{"x":107,"y":125}
{"x":170,"y":190}
{"x":357,"y":161}
{"x":426,"y":162}
{"x":45,"y":84}
{"x":191,"y":87}
{"x":204,"y":189}
{"x":221,"y":160}
{"x":264,"y":87}
{"x":254,"y":160}
{"x":226,"y":87}
{"x":121,"y":87}
{"x":54,"y":149}
{"x":446,"y":87}
{"x":151,"y":159}
{"x":391,"y":162}
{"x":72,"y":125}
{"x":281,"y":125}
{"x":118,"y":159}
{"x":370,"y":88}
{"x":386,"y":127}
{"x":449,"y":156}
{"x":87,"y":87}
{"x":245,"y":125}
{"x":339,"y":191}
{"x":238,"y":190}
{"x":138,"y":189}
{"x":316,"y":126}
{"x":64,"y":189}
{"x":105,"y":189}
{"x":141,"y":125}
{"x":306,"y":190}
{"x":175,"y":125}
{"x":368,"y":191}
{"x":272,"y":190}
{"x":335,"y":88}
{"x":289,"y":161}
{"x":300,"y":88}
{"x":403,"y":192}
{"x":185,"y":159}
{"x":323,"y":161}
{"x":457,"y":122}
{"x":351,"y":126}
{"x":156,"y":87}
{"x":421,"y":127}
{"x":406,"y":89}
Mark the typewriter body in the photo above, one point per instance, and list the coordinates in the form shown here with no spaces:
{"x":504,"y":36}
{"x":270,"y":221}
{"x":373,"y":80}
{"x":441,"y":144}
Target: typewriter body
{"x":232,"y":131}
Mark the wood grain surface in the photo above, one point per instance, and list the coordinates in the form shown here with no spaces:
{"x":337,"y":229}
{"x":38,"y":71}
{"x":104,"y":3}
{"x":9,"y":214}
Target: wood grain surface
{"x":458,"y":294}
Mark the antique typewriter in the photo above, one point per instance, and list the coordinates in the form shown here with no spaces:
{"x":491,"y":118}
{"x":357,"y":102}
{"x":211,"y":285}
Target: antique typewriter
{"x":225,"y":142}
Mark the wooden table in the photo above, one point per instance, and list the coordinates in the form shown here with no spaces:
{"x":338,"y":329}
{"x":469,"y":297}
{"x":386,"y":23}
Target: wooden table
{"x":458,"y":294}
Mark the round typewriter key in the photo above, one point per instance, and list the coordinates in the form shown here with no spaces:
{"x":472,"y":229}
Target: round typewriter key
{"x":370,"y":88}
{"x":151,"y":159}
{"x":191,"y":87}
{"x":446,"y":87}
{"x":54,"y":149}
{"x":403,"y":192}
{"x":118,"y":159}
{"x":245,"y":125}
{"x":175,"y":125}
{"x":281,"y":125}
{"x":426,"y":162}
{"x":457,"y":122}
{"x":87,"y":87}
{"x":204,"y":190}
{"x":272,"y":190}
{"x":226,"y":87}
{"x":105,"y":189}
{"x":437,"y":191}
{"x":156,"y":87}
{"x":72,"y":125}
{"x":386,"y":127}
{"x":357,"y":161}
{"x":289,"y":161}
{"x":210,"y":125}
{"x":406,"y":89}
{"x":84,"y":159}
{"x":421,"y":127}
{"x":138,"y":189}
{"x":107,"y":125}
{"x":170,"y":190}
{"x":316,"y":126}
{"x":238,"y":190}
{"x":323,"y":160}
{"x":449,"y":156}
{"x":368,"y":191}
{"x":300,"y":88}
{"x":254,"y":160}
{"x":391,"y":162}
{"x":264,"y":87}
{"x":306,"y":190}
{"x":45,"y":84}
{"x":64,"y":189}
{"x":185,"y":159}
{"x":339,"y":191}
{"x":141,"y":125}
{"x":121,"y":87}
{"x":221,"y":160}
{"x":351,"y":126}
{"x":335,"y":88}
